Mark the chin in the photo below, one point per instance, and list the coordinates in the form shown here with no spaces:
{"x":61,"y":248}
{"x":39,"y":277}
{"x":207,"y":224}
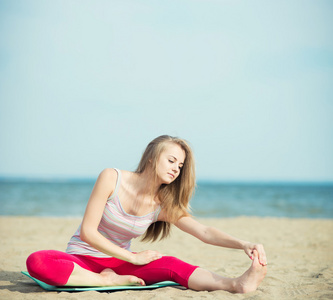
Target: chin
{"x":168,"y":181}
{"x":172,"y":180}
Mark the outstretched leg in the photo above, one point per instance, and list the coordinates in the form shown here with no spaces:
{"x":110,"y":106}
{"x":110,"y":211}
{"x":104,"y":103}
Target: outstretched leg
{"x":83,"y":277}
{"x":59,"y":269}
{"x":205,"y":280}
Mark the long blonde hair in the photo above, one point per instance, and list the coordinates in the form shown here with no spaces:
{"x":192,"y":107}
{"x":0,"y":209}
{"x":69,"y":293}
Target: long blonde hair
{"x":174,"y":197}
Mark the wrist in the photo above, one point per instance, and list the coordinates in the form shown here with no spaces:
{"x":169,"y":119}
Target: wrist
{"x":131,"y":258}
{"x":243,"y":244}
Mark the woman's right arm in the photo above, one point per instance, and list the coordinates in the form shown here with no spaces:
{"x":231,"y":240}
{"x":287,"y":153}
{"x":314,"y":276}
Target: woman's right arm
{"x":103,"y":188}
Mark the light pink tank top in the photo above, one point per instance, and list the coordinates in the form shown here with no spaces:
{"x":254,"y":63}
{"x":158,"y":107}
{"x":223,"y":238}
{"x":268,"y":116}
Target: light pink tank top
{"x":116,"y":225}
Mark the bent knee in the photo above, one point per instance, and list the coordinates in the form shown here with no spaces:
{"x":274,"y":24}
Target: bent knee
{"x":45,"y":266}
{"x":35,"y":262}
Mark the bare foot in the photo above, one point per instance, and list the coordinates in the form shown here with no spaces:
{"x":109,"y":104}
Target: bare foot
{"x":251,"y":279}
{"x":113,"y":279}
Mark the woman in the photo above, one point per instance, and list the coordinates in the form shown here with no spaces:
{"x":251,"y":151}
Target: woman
{"x":124,"y":205}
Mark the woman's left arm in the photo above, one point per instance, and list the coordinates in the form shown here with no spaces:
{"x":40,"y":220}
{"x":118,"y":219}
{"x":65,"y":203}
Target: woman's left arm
{"x":213,"y":236}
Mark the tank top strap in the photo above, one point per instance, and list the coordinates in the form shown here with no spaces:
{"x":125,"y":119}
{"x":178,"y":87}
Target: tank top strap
{"x":157,"y":212}
{"x":115,"y":192}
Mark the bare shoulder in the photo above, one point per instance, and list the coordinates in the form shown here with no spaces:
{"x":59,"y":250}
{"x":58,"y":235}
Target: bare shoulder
{"x":108,"y":173}
{"x":110,"y":176}
{"x":107,"y":180}
{"x":127,"y":174}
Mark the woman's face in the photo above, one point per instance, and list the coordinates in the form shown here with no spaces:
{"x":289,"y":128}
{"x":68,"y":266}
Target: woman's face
{"x":170,"y":163}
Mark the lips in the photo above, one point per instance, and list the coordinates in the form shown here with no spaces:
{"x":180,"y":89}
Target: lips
{"x":173,"y":176}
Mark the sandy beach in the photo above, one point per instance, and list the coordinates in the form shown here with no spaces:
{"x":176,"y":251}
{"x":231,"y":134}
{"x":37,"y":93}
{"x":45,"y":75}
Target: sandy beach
{"x":300,"y":258}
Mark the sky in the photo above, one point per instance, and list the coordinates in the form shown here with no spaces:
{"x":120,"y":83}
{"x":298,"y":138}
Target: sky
{"x":86,"y":85}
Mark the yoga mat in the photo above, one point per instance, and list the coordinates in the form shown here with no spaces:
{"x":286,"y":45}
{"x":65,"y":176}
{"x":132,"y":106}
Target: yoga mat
{"x":99,"y":288}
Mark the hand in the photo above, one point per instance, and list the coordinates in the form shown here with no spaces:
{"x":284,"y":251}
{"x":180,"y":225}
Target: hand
{"x":145,"y":257}
{"x":249,"y":249}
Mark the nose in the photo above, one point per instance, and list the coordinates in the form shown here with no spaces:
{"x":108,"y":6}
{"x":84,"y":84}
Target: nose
{"x":175,"y":168}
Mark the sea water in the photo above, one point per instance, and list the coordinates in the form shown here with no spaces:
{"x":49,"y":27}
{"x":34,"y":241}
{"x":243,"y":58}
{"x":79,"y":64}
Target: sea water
{"x":211,"y":199}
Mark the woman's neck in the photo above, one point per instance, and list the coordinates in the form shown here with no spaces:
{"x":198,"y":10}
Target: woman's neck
{"x":146,"y":183}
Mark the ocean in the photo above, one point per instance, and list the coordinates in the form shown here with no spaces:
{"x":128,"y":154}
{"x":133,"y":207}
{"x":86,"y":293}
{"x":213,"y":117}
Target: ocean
{"x":211,"y":199}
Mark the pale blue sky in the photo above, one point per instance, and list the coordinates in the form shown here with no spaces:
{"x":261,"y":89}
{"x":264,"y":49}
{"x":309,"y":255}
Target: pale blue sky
{"x":86,"y":85}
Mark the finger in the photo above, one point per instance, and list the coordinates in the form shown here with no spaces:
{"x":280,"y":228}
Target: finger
{"x":263,"y":259}
{"x":158,"y":256}
{"x":255,"y":253}
{"x":249,"y":253}
{"x":262,"y":255}
{"x":154,"y":253}
{"x":154,"y":256}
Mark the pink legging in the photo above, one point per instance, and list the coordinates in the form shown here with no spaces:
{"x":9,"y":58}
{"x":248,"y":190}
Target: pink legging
{"x":54,"y":267}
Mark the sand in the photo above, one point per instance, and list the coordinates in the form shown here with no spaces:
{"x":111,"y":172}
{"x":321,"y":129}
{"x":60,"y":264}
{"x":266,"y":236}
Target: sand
{"x":300,"y":259}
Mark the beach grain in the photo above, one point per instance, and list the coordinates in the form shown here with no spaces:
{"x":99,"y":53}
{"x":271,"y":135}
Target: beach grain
{"x":300,"y":257}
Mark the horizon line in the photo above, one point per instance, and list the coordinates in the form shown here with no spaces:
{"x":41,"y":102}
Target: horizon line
{"x":55,"y":179}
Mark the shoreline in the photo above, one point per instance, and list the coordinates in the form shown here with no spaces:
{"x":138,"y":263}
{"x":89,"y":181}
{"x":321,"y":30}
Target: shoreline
{"x":195,"y":217}
{"x":299,"y":251}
